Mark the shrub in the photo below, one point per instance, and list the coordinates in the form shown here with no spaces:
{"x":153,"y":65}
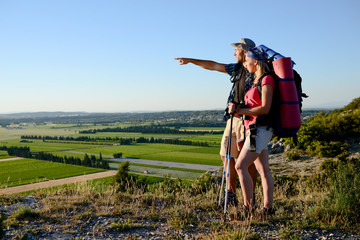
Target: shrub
{"x":202,"y":184}
{"x":2,"y":233}
{"x":345,"y":190}
{"x":126,"y":182}
{"x":122,"y":177}
{"x":117,"y":155}
{"x":181,"y":217}
{"x":332,"y":149}
{"x":171,"y":186}
{"x":338,"y":126}
{"x":341,"y":206}
{"x":288,"y":234}
{"x":26,"y":213}
{"x":327,"y":149}
{"x":317,"y":181}
{"x":287,"y":184}
{"x":329,"y":167}
{"x":293,"y":155}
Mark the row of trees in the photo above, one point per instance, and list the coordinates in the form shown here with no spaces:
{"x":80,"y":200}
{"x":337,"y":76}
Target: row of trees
{"x":18,"y":151}
{"x":178,"y":125}
{"x":25,"y":152}
{"x":122,"y":141}
{"x":171,"y":141}
{"x":69,"y":138}
{"x":150,"y":129}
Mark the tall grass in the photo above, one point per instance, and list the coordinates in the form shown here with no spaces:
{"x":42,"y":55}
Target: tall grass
{"x":191,"y":206}
{"x":325,"y":200}
{"x":345,"y":192}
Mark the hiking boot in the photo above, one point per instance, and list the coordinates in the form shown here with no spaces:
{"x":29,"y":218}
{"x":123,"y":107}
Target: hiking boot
{"x":265,"y":213}
{"x":231,"y":200}
{"x":245,"y":213}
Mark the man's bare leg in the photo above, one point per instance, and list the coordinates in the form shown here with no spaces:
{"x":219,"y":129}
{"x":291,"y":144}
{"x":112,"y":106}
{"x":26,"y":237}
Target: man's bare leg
{"x":232,"y":175}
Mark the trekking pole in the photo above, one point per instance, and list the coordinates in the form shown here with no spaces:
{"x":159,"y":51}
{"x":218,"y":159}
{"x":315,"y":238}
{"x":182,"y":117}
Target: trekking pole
{"x":228,"y":164}
{"x":225,"y":164}
{"x":222,"y":180}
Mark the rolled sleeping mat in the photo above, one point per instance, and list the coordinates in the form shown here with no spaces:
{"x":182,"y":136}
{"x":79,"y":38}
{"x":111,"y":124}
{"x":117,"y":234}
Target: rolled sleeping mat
{"x":289,"y":101}
{"x":271,"y":54}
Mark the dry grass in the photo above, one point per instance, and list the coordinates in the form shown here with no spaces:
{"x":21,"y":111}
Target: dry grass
{"x":188,"y":207}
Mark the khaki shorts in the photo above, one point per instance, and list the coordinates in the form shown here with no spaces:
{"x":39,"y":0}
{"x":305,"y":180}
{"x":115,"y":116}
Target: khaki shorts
{"x":237,"y":138}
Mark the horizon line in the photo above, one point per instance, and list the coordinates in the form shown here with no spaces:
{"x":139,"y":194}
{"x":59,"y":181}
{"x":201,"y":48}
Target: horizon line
{"x":144,"y":111}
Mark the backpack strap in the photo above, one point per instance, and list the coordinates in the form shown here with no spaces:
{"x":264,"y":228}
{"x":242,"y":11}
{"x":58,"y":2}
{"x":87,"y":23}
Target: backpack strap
{"x":264,"y":120}
{"x":253,"y":131}
{"x":235,"y":77}
{"x":258,"y":84}
{"x":253,"y":134}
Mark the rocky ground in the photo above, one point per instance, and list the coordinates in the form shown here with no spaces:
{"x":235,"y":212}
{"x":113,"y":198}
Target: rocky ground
{"x":280,"y":165}
{"x":102,"y":228}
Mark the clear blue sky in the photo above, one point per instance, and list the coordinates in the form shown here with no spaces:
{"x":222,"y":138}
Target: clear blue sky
{"x":117,"y":56}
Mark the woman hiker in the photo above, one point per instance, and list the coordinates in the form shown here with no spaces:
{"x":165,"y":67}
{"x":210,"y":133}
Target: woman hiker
{"x":258,"y":132}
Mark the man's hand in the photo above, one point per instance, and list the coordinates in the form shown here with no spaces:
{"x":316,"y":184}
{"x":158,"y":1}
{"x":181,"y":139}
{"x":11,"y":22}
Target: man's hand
{"x":232,"y":108}
{"x":183,"y":61}
{"x":206,"y":64}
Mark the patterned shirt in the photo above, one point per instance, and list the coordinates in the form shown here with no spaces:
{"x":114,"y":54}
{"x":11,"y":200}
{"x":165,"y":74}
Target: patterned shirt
{"x":241,"y":80}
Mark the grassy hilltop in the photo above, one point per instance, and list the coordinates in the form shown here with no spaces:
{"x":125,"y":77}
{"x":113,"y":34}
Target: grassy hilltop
{"x":130,"y":206}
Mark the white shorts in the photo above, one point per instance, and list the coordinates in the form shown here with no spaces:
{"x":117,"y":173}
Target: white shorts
{"x":263,"y":137}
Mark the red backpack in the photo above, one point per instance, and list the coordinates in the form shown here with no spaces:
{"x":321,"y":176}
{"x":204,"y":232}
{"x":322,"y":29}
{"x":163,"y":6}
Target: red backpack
{"x":285,"y":113}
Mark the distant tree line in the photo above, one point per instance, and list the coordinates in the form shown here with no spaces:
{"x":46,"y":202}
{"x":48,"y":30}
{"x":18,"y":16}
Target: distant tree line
{"x":212,"y":118}
{"x":150,"y":129}
{"x":68,"y":138}
{"x":18,"y":151}
{"x":122,"y":141}
{"x":25,"y":152}
{"x":171,"y":141}
{"x":196,"y":124}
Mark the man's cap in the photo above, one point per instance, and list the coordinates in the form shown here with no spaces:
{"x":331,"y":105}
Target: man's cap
{"x":257,"y":53}
{"x":244,"y":43}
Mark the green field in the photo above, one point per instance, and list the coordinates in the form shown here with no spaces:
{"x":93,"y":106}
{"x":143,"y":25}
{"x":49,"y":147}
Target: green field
{"x":3,"y":154}
{"x":161,"y":152}
{"x":39,"y":145}
{"x":17,"y":132}
{"x":25,"y":171}
{"x":164,"y":152}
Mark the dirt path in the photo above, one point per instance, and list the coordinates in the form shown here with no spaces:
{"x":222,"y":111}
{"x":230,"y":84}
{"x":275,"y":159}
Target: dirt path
{"x":52,"y":183}
{"x":168,"y":164}
{"x":10,"y":159}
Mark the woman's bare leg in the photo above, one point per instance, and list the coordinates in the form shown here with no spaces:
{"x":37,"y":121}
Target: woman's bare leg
{"x":262,"y":165}
{"x":245,"y":159}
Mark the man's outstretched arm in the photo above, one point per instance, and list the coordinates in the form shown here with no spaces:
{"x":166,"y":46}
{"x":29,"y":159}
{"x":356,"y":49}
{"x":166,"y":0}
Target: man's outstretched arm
{"x":206,"y":64}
